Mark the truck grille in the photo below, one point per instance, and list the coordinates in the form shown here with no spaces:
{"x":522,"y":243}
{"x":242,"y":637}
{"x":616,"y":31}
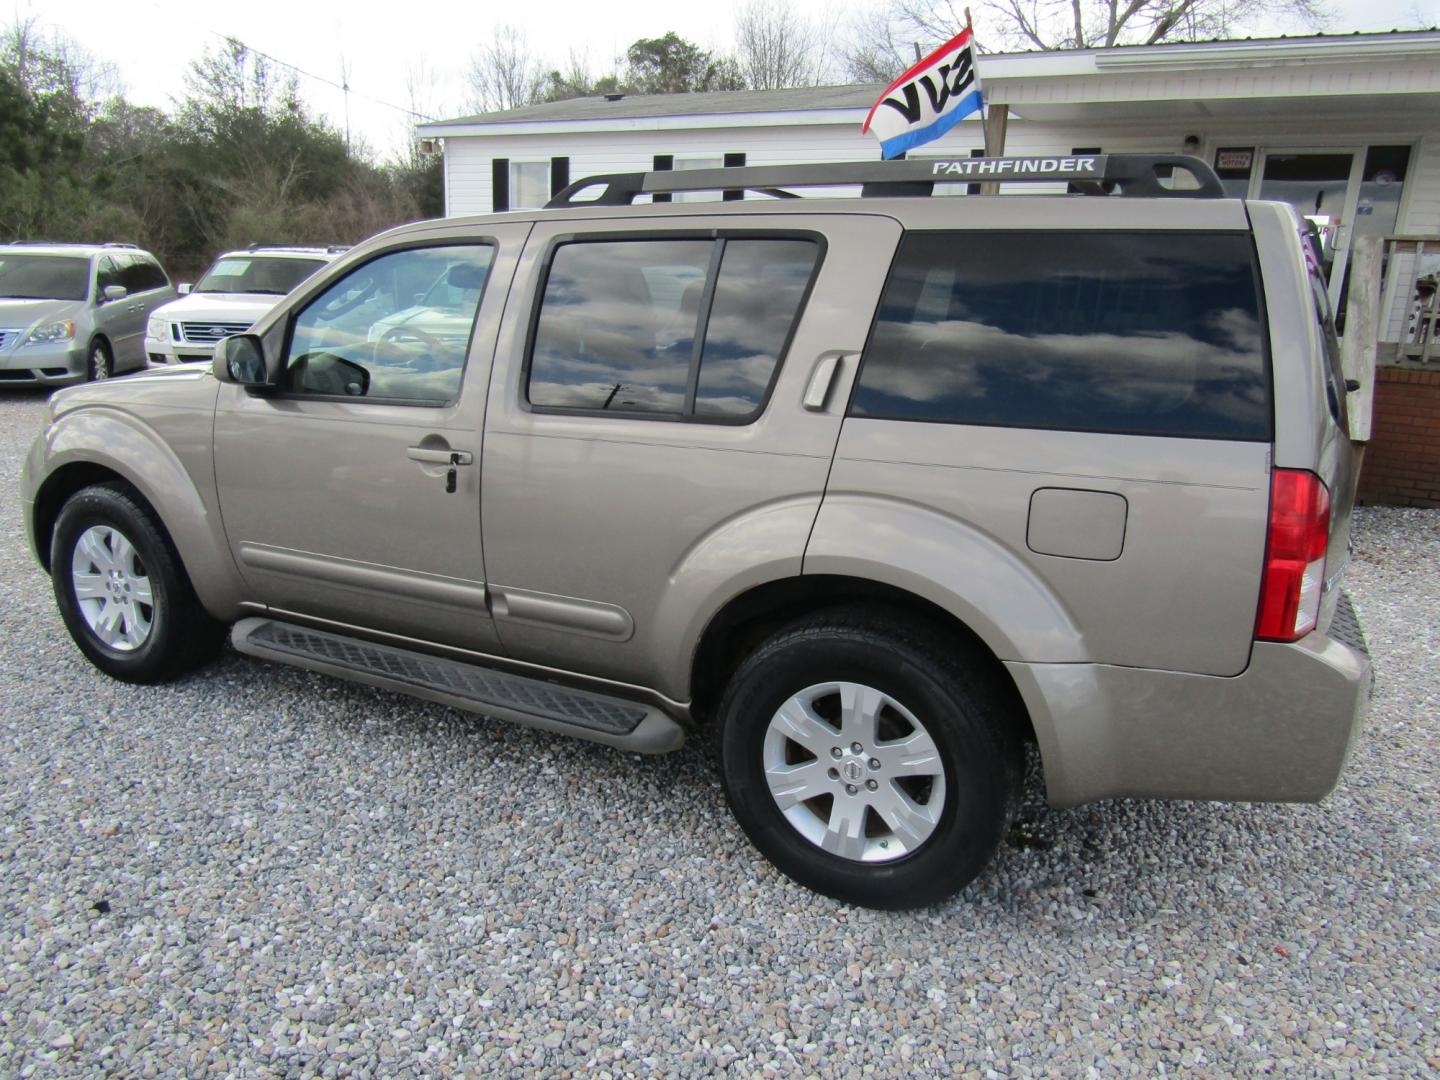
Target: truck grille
{"x":207,"y":333}
{"x":9,"y":338}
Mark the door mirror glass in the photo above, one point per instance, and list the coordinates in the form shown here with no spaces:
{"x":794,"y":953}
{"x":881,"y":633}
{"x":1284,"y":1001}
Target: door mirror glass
{"x":184,"y":289}
{"x":240,"y":359}
{"x":115,"y":292}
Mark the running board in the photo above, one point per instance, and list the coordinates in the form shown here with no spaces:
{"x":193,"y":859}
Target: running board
{"x":618,"y":722}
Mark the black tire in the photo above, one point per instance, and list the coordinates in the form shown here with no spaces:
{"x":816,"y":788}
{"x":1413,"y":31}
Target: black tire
{"x":178,"y":634}
{"x":957,"y":700}
{"x":99,"y":362}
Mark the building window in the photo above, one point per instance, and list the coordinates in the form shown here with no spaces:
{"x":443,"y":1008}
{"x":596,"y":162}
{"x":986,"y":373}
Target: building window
{"x":529,"y":184}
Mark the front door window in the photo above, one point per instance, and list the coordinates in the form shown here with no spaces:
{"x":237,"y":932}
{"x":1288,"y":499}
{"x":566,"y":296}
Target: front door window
{"x":396,"y":329}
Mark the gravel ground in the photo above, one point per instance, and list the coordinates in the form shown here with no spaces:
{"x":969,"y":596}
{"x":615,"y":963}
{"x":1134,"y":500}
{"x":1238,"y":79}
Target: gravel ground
{"x":261,"y":872}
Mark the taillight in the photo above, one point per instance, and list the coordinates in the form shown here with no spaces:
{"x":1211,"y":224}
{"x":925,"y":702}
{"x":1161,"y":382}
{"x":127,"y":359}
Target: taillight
{"x":1295,"y":546}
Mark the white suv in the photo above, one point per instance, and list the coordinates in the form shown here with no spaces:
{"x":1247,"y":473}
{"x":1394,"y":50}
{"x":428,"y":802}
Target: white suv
{"x":240,"y":287}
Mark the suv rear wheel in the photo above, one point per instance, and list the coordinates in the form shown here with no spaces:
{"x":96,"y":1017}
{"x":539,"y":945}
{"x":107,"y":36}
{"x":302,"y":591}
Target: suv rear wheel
{"x":867,"y":761}
{"x":122,"y":590}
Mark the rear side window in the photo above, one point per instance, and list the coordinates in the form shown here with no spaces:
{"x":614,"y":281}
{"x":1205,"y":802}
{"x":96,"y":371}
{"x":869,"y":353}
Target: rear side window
{"x":139,"y":274}
{"x":149,"y":274}
{"x":1134,"y":333}
{"x":677,"y":329}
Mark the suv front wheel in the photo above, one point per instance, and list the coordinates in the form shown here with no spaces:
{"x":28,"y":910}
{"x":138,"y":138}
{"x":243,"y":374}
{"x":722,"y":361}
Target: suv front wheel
{"x":122,"y":590}
{"x":869,"y":760}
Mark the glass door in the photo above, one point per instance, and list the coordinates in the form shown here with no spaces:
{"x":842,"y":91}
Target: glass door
{"x":1322,"y":186}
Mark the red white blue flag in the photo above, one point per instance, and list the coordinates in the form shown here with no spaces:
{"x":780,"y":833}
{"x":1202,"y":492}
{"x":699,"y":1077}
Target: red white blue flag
{"x":929,"y":99}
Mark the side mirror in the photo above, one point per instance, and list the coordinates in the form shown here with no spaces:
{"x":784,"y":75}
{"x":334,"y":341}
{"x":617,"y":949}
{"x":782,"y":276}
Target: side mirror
{"x":184,"y":290}
{"x":240,"y":359}
{"x":466,"y":276}
{"x":115,"y":292}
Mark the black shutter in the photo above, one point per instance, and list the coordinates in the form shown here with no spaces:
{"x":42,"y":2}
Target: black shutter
{"x":663,"y":163}
{"x":559,"y":174}
{"x":500,"y":184}
{"x":975,"y":151}
{"x":734,"y":161}
{"x":1080,"y":189}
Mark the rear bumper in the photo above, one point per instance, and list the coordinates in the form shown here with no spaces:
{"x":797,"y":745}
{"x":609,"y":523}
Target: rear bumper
{"x":1278,"y":732}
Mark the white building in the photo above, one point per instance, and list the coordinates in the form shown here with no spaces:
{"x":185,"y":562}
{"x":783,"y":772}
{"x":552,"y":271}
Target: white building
{"x":1347,"y":128}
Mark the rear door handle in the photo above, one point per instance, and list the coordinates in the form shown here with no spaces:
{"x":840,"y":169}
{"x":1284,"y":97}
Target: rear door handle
{"x":437,"y":456}
{"x":821,"y":380}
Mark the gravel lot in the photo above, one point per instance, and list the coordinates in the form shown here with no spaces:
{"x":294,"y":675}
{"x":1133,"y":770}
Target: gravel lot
{"x":262,"y":872}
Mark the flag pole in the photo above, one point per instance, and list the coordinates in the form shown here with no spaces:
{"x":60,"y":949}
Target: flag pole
{"x":984,"y":105}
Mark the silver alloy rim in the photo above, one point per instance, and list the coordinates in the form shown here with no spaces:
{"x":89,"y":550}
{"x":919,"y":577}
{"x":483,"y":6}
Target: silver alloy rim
{"x":112,"y":588}
{"x":854,"y":772}
{"x":99,"y":363}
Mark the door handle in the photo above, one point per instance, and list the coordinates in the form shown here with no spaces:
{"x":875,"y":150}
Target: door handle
{"x":820,"y":381}
{"x":431,"y":455}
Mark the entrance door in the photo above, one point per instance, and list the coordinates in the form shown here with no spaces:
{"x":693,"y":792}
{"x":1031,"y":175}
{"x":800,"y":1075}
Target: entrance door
{"x":1322,"y":186}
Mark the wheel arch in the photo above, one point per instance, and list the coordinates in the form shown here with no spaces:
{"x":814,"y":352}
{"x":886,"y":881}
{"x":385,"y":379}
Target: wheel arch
{"x":737,"y":628}
{"x":57,"y":489}
{"x":106,"y":449}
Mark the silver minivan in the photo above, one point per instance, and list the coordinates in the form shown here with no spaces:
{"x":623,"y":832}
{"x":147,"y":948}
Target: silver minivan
{"x":75,"y":312}
{"x":874,"y":490}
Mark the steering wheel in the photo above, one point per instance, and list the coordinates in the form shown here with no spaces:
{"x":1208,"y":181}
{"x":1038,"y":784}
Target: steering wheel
{"x":397,"y":334}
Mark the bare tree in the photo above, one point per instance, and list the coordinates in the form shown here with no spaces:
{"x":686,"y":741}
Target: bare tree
{"x":1088,"y":24}
{"x":776,"y":47}
{"x":51,"y":65}
{"x":875,"y":48}
{"x":505,"y":73}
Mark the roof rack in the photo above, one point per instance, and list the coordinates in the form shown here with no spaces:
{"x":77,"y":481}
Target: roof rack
{"x":303,"y":249}
{"x":1093,"y":174}
{"x":71,"y":244}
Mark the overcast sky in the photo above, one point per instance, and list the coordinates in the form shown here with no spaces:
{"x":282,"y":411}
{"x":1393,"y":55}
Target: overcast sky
{"x":386,"y":46}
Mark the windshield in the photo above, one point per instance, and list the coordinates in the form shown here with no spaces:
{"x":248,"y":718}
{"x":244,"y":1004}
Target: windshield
{"x":256,"y":274}
{"x":44,"y":277}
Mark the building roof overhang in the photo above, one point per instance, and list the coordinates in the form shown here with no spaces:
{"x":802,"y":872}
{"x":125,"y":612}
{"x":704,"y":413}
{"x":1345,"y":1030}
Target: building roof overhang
{"x":1392,"y":70}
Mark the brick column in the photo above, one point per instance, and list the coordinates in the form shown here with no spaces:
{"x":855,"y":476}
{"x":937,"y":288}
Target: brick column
{"x":1402,"y":460}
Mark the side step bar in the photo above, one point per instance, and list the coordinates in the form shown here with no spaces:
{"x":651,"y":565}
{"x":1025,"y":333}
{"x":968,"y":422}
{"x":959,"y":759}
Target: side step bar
{"x":618,"y":722}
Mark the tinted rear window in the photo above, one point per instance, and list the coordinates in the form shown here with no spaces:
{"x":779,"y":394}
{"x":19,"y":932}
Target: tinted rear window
{"x":1137,"y":333}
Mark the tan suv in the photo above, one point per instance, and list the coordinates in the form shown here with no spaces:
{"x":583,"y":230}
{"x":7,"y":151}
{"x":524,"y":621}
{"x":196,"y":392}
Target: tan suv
{"x":878,"y":489}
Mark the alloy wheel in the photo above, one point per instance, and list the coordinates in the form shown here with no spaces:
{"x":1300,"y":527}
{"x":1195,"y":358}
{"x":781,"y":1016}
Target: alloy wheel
{"x":854,"y":772}
{"x":112,"y":588}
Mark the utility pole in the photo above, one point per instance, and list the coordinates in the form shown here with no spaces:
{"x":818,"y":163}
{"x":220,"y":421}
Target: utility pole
{"x":345,"y":89}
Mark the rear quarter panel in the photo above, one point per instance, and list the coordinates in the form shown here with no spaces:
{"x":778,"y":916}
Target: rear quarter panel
{"x":1181,"y":595}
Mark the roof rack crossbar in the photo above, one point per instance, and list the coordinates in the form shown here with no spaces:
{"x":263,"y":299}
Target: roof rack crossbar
{"x":1130,"y":174}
